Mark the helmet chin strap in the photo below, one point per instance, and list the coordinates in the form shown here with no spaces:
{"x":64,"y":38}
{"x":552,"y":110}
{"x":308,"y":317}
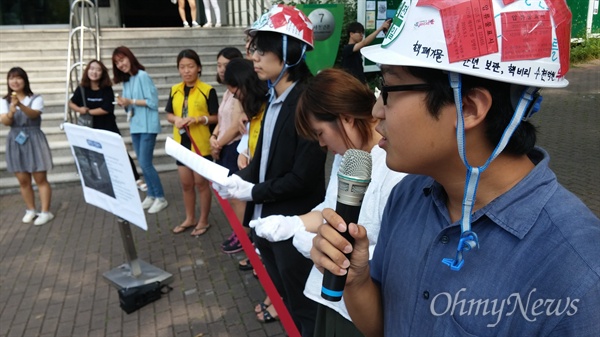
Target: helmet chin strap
{"x":468,"y":238}
{"x":286,"y":66}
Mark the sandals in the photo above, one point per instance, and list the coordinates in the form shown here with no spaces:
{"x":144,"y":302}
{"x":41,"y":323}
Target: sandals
{"x":266,"y":317}
{"x":181,"y":228}
{"x":141,"y":185}
{"x":245,"y":265}
{"x":200,"y":231}
{"x":263,"y":307}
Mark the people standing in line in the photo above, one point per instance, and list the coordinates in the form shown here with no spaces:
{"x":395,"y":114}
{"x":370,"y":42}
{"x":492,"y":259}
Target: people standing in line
{"x":215,"y":6}
{"x":140,"y":100}
{"x":96,"y":88}
{"x":27,"y":151}
{"x":226,"y":136}
{"x":251,"y":92}
{"x":193,"y":12}
{"x":286,"y":175}
{"x":352,"y":61}
{"x":481,"y":219}
{"x":340,"y":121}
{"x":192,"y":106}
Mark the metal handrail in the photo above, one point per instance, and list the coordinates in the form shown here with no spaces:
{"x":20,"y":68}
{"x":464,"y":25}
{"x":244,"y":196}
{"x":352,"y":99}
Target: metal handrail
{"x":80,"y":10}
{"x":242,"y":13}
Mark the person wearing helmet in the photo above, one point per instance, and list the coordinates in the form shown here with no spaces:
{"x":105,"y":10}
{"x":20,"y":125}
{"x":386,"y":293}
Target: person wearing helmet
{"x":286,"y":175}
{"x":481,"y":239}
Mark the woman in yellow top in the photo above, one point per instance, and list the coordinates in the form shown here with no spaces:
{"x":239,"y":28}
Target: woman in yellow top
{"x":192,"y":107}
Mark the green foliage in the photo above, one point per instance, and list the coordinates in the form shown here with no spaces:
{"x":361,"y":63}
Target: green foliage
{"x":585,"y":51}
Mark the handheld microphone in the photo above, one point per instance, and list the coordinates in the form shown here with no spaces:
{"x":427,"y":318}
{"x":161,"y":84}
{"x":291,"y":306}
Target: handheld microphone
{"x":354,"y":177}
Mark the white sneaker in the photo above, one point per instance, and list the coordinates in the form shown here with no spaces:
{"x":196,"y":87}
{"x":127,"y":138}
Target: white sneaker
{"x":158,"y":205}
{"x":217,"y":25}
{"x":186,"y":24}
{"x":173,"y":2}
{"x":207,"y":25}
{"x":43,"y":218}
{"x":195,"y":24}
{"x":29,"y":216}
{"x":148,"y":202}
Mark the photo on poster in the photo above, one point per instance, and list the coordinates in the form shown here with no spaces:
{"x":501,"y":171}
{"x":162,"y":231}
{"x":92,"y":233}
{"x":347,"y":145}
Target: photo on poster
{"x":381,"y":10}
{"x":370,"y":5}
{"x":105,"y":172}
{"x":370,"y":20}
{"x":94,"y":170}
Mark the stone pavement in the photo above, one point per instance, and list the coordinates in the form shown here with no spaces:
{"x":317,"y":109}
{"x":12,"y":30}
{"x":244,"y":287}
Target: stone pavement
{"x":51,"y":281}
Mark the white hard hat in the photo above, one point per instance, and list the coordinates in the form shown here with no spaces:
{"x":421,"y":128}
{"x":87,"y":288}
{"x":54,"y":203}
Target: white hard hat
{"x":287,"y":20}
{"x":521,"y":42}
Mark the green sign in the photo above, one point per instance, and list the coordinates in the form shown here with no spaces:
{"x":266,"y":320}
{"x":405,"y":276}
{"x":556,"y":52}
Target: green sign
{"x":327,"y":20}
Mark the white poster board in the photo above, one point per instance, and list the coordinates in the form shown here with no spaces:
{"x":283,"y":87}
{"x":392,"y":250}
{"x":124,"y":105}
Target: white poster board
{"x":204,"y":167}
{"x":105,"y":172}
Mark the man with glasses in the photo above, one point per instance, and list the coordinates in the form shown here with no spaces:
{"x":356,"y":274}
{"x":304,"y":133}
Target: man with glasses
{"x":480,"y":239}
{"x":351,"y":58}
{"x":286,"y":175}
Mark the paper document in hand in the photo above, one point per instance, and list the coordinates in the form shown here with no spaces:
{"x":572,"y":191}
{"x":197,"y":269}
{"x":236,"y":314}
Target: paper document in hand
{"x":204,"y":167}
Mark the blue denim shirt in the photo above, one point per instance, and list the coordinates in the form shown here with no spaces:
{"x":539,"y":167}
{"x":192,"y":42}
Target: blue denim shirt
{"x":145,"y":118}
{"x":536,"y":273}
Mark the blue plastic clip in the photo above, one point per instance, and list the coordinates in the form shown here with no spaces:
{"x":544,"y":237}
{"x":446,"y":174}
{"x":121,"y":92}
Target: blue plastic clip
{"x":534,"y":106}
{"x":468,"y":241}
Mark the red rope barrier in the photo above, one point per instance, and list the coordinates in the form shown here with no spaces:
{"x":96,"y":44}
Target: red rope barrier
{"x":261,"y":271}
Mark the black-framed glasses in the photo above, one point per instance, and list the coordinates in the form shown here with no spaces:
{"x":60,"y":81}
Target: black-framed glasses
{"x":253,"y":49}
{"x":385,"y":89}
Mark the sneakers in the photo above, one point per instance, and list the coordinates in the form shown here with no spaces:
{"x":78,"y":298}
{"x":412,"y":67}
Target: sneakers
{"x":43,"y":218}
{"x":29,"y":216}
{"x":234,"y":246}
{"x":186,"y":24}
{"x":148,"y":202}
{"x":158,"y":205}
{"x":207,"y":25}
{"x":195,"y":24}
{"x":228,"y":240}
{"x":217,"y":25}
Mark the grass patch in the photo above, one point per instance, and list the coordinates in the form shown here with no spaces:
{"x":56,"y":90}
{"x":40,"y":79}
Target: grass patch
{"x":585,"y":51}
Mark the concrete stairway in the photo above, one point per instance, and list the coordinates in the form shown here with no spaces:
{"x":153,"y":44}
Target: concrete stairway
{"x":42,"y":53}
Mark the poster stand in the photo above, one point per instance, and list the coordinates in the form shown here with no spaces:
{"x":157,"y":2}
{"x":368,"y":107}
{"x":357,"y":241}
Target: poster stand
{"x":134,"y":272}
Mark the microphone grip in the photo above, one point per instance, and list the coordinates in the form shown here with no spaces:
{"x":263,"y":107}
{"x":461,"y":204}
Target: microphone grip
{"x":333,"y":285}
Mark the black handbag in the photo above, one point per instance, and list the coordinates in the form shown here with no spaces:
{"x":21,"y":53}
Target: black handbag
{"x":133,"y":298}
{"x":85,"y":119}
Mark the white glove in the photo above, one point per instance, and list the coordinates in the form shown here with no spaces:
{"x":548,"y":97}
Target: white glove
{"x":235,"y":188}
{"x":303,"y":241}
{"x":277,"y":228}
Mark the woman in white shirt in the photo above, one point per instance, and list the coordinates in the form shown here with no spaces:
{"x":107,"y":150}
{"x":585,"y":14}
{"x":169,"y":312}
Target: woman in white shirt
{"x":340,"y":121}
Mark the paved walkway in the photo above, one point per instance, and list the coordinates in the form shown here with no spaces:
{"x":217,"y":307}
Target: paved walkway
{"x":51,"y":281}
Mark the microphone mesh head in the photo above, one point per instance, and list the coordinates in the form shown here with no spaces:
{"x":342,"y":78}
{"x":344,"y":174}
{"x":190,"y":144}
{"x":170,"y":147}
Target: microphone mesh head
{"x":356,"y":164}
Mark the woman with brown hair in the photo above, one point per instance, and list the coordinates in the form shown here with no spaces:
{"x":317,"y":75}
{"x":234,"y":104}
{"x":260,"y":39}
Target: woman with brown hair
{"x":339,"y":122}
{"x":140,"y":100}
{"x":94,"y":96}
{"x":27,"y":151}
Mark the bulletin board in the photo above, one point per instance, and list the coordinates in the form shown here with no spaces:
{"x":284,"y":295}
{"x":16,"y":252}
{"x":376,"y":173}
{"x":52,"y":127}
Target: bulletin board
{"x":372,"y":14}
